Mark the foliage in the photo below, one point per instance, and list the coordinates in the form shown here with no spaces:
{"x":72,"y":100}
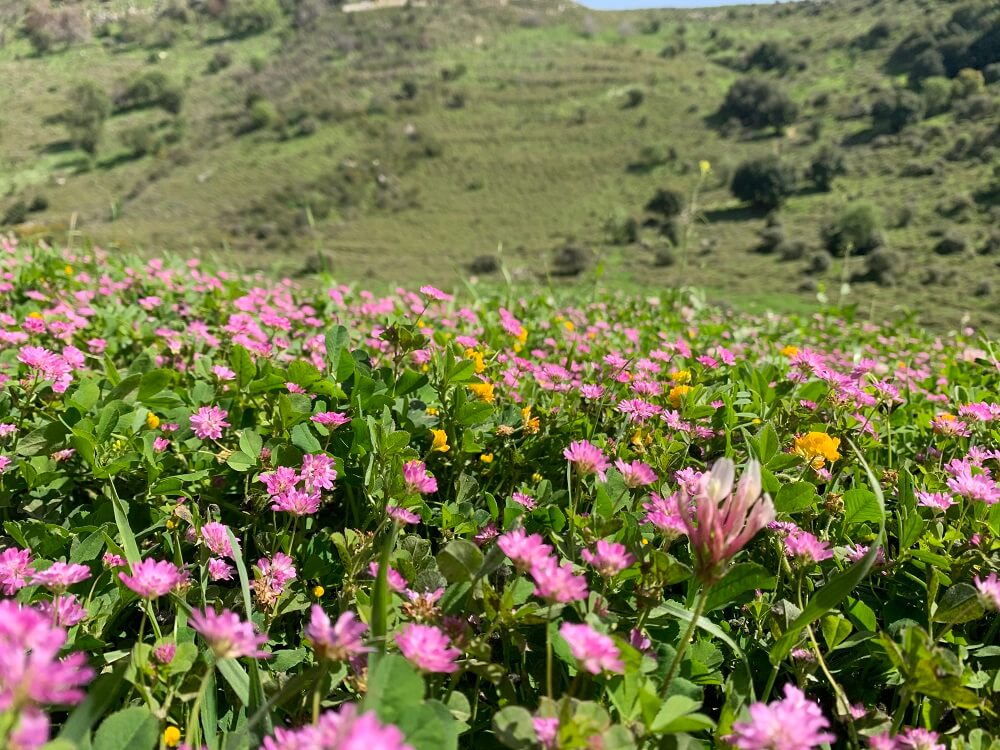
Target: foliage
{"x":248,"y":17}
{"x":764,"y":183}
{"x":895,"y":111}
{"x":88,"y":108}
{"x":826,"y":166}
{"x":757,"y":103}
{"x":857,"y":230}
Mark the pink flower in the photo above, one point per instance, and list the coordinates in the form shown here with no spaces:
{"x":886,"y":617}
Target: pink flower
{"x":402,"y":515}
{"x":15,"y":567}
{"x":913,"y":738}
{"x":523,"y":549}
{"x":330,"y":419}
{"x":427,"y":648}
{"x":227,"y":635}
{"x":635,"y":474}
{"x":556,"y":583}
{"x":223,"y":373}
{"x":60,"y":576}
{"x":806,"y":548}
{"x":974,"y":486}
{"x":344,"y":729}
{"x":152,"y":578}
{"x":160,"y":444}
{"x":338,"y":641}
{"x":271,"y":576}
{"x":610,"y":558}
{"x":215,"y":535}
{"x":595,"y":652}
{"x":208,"y":422}
{"x":297,"y":502}
{"x":396,"y":581}
{"x":664,"y":513}
{"x":989,"y":591}
{"x":435,"y":293}
{"x":792,"y":723}
{"x":527,"y":501}
{"x":219,"y":569}
{"x":165,"y":652}
{"x":417,"y":479}
{"x":280,"y":480}
{"x":547,"y":731}
{"x":4,"y":463}
{"x":113,"y":561}
{"x":719,"y":523}
{"x":937,"y":501}
{"x":66,"y":611}
{"x":586,"y":458}
{"x":318,"y":472}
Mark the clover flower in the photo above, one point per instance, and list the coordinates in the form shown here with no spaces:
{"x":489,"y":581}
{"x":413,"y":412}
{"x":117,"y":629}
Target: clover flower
{"x":595,"y":652}
{"x":586,"y":458}
{"x":792,"y":723}
{"x":557,"y":584}
{"x":208,"y":422}
{"x":610,"y":558}
{"x":522,"y":548}
{"x":59,"y":576}
{"x":343,"y":729}
{"x":152,"y":578}
{"x":427,"y":648}
{"x":338,"y":641}
{"x":227,"y":635}
{"x":417,"y":479}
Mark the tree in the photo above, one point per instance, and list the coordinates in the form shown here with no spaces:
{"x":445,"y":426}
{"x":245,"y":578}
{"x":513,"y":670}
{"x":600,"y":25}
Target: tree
{"x":763,"y":183}
{"x":825,"y":166}
{"x":247,"y":17}
{"x":758,"y":104}
{"x":89,"y":106}
{"x":894,"y":112}
{"x":857,"y":230}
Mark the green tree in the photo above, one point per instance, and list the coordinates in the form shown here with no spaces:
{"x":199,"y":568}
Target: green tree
{"x":763,"y":183}
{"x":89,"y":106}
{"x":759,"y":104}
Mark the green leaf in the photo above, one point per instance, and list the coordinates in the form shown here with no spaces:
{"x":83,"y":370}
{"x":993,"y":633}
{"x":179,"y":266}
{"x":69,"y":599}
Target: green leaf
{"x":742,"y":577}
{"x":124,"y":529}
{"x":240,"y":461}
{"x":135,"y":728}
{"x":860,"y":506}
{"x":514,"y":727}
{"x":473,"y":413}
{"x":678,"y":612}
{"x":86,"y":395}
{"x":233,"y":673}
{"x":460,"y":560}
{"x":303,"y":438}
{"x":959,"y":603}
{"x":303,"y":373}
{"x":243,"y":366}
{"x":767,"y":443}
{"x":678,"y":714}
{"x":101,"y":695}
{"x":394,"y":687}
{"x":251,"y":443}
{"x":88,"y":549}
{"x":43,"y":440}
{"x":152,"y":382}
{"x":255,"y":689}
{"x":795,"y":497}
{"x":336,"y":340}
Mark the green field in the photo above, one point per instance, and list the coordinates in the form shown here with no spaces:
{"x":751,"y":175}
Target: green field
{"x":403,"y":143}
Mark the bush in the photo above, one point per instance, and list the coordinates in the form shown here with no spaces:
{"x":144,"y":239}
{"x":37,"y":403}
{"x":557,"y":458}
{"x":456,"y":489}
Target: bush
{"x":263,"y":115}
{"x":763,"y":183}
{"x":248,"y":17}
{"x":758,"y":104}
{"x":928,"y":64}
{"x":855,"y":231}
{"x":38,"y":203}
{"x":89,"y":106}
{"x":770,"y":56}
{"x":667,"y":203}
{"x":951,"y":244}
{"x":819,"y":262}
{"x":936,"y":92}
{"x":221,"y":60}
{"x":142,"y":140}
{"x":896,"y":111}
{"x":991,"y":73}
{"x":151,"y":89}
{"x":969,"y":82}
{"x":621,"y":229}
{"x":883,"y":266}
{"x":825,"y":166}
{"x":569,"y":260}
{"x":16,"y":213}
{"x":633,"y":98}
{"x":46,"y":27}
{"x":976,"y":108}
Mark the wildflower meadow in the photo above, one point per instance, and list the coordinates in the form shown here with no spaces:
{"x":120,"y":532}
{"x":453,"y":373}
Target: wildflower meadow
{"x":241,"y":513}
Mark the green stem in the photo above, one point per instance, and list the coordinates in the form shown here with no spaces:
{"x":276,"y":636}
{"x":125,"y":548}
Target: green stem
{"x":194,"y":720}
{"x":675,"y":665}
{"x":548,"y":655}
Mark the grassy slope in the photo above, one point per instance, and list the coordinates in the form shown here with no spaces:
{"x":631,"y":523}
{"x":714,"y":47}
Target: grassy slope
{"x":520,"y":166}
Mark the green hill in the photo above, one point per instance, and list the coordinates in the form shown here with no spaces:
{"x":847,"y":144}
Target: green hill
{"x":401,"y":144}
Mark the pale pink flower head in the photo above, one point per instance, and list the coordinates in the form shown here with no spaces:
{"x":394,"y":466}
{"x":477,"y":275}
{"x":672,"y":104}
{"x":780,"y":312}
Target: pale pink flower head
{"x":427,"y":648}
{"x":610,"y":558}
{"x":402,"y":515}
{"x":720,"y":522}
{"x":937,"y":501}
{"x":274,"y":573}
{"x":393,"y":577}
{"x":343,"y":729}
{"x":208,"y":422}
{"x":219,"y":569}
{"x":792,"y":723}
{"x":223,"y":373}
{"x":989,"y":591}
{"x":524,"y":500}
{"x":227,"y":635}
{"x":435,"y":294}
{"x":297,"y":502}
{"x":522,"y":548}
{"x":805,"y":548}
{"x":547,"y":731}
{"x":152,"y":578}
{"x":918,"y":738}
{"x":594,"y":652}
{"x":586,"y":458}
{"x":664,"y":513}
{"x":636,"y":473}
{"x":112,"y":560}
{"x":338,"y":641}
{"x":318,"y":472}
{"x":164,"y":653}
{"x":215,"y":535}
{"x":330,"y":419}
{"x":417,"y":479}
{"x":557,"y":584}
{"x":282,"y":479}
{"x":59,"y":576}
{"x":15,"y":567}
{"x":66,"y":611}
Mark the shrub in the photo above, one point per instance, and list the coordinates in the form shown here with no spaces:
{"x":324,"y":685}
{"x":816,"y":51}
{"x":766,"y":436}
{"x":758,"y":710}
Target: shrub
{"x":621,"y":229}
{"x":969,"y":82}
{"x":16,"y":213}
{"x":569,"y":260}
{"x":896,"y":111}
{"x":46,"y":27}
{"x":936,"y":92}
{"x":263,"y":115}
{"x":976,"y":108}
{"x":825,"y":166}
{"x":764,"y":183}
{"x":855,"y":231}
{"x":221,"y":60}
{"x":883,"y":266}
{"x":951,"y":244}
{"x":667,"y":203}
{"x":89,"y":106}
{"x":770,"y":56}
{"x":150,"y":89}
{"x":991,"y":73}
{"x":819,"y":262}
{"x":633,"y":98}
{"x":482,"y":265}
{"x":38,"y":203}
{"x":248,"y":17}
{"x":758,"y":104}
{"x":928,"y":64}
{"x":142,"y":140}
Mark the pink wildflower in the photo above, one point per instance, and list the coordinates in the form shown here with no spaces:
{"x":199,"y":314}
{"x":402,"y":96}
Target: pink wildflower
{"x":338,"y":641}
{"x":524,"y":500}
{"x":610,"y":558}
{"x":318,"y":472}
{"x":227,"y":635}
{"x":215,"y":535}
{"x":595,"y":652}
{"x":297,"y":502}
{"x":66,"y":611}
{"x":14,"y":569}
{"x":989,"y":591}
{"x":664,"y":513}
{"x":427,"y":648}
{"x":417,"y":479}
{"x":937,"y":501}
{"x":402,"y":515}
{"x":806,"y":548}
{"x":792,"y":723}
{"x":164,"y":653}
{"x":330,"y":419}
{"x":208,"y":422}
{"x":557,"y":583}
{"x":396,"y":581}
{"x":586,"y":458}
{"x":152,"y":578}
{"x":547,"y":731}
{"x":523,"y":548}
{"x":343,"y":729}
{"x":636,"y":473}
{"x":59,"y":576}
{"x":219,"y":569}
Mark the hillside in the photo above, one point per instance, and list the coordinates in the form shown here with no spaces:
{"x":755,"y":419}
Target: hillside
{"x":401,"y":144}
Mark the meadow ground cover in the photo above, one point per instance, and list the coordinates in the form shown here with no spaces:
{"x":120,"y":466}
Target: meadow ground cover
{"x":241,"y":513}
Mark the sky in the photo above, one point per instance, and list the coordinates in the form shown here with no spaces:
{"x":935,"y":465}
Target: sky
{"x":634,"y":4}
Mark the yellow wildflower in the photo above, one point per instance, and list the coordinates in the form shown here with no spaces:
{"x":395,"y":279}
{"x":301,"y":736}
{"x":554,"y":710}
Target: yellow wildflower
{"x":522,"y":337}
{"x":171,"y":524}
{"x":477,"y":360}
{"x":681,"y":376}
{"x":569,"y":325}
{"x":790,"y":351}
{"x":35,"y":314}
{"x":318,"y":591}
{"x":704,"y":166}
{"x":486,"y":458}
{"x":68,"y":270}
{"x":171,"y":736}
{"x":817,"y":448}
{"x":440,"y":443}
{"x":531,"y":424}
{"x":152,"y":421}
{"x":483,"y":391}
{"x":431,"y":411}
{"x":677,"y":394}
{"x":536,"y":477}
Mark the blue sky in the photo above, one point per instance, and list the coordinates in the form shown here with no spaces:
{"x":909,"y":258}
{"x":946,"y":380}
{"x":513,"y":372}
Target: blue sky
{"x":633,"y":4}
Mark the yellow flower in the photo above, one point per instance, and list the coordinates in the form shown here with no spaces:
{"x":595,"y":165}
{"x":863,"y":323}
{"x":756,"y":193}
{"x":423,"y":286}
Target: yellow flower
{"x":681,"y":376}
{"x":677,"y":393}
{"x":531,"y":424}
{"x":704,"y":166}
{"x":171,"y":736}
{"x":569,"y":325}
{"x":483,"y":391}
{"x":35,"y":314}
{"x":523,"y":335}
{"x":152,"y":421}
{"x":440,"y":443}
{"x":517,"y":348}
{"x":318,"y":591}
{"x":477,"y":360}
{"x":790,"y":351}
{"x":431,"y":411}
{"x":536,"y":477}
{"x":68,"y":270}
{"x":817,"y":448}
{"x":486,"y":458}
{"x":171,"y":524}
